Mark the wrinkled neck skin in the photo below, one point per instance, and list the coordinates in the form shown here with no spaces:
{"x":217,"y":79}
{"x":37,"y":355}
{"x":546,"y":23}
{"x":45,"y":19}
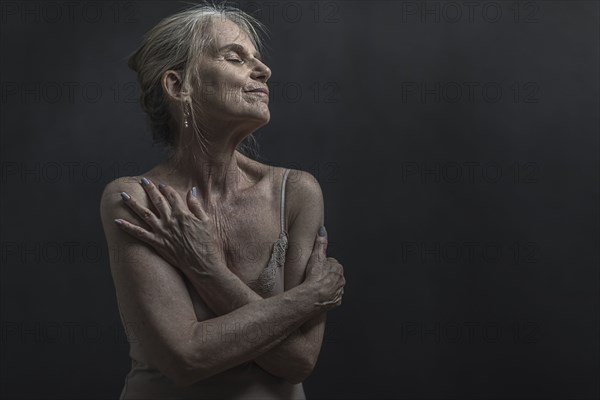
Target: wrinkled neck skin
{"x":212,"y":164}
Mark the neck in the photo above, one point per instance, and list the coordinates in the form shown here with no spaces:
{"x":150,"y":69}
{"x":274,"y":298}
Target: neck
{"x":213,"y":168}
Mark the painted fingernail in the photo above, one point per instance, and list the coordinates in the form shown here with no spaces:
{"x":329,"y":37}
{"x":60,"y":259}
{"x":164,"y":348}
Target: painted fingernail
{"x":118,"y":221}
{"x":194,"y":191}
{"x":322,"y":231}
{"x":145,"y":182}
{"x":125,"y":196}
{"x":161,"y":185}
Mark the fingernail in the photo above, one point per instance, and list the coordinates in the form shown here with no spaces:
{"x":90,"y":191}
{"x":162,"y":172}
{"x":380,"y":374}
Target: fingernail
{"x":125,"y":196}
{"x":194,"y":191}
{"x":145,"y":182}
{"x":161,"y":185}
{"x":118,"y":221}
{"x":322,"y":231}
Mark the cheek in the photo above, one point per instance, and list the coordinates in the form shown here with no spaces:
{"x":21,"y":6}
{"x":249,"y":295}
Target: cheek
{"x":224,"y":76}
{"x":223,"y":88}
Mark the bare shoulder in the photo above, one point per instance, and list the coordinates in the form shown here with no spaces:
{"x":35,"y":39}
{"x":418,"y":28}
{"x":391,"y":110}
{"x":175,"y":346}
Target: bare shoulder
{"x":303,"y":193}
{"x":120,"y":184}
{"x":111,"y":203}
{"x":302,"y":189}
{"x":126,"y":251}
{"x":302,"y":184}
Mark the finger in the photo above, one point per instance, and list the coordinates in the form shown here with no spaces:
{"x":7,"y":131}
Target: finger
{"x":135,"y":231}
{"x":156,"y":197}
{"x":144,"y":213}
{"x":172,"y":197}
{"x":337,"y":300}
{"x":194,"y":204}
{"x":325,"y":303}
{"x":320,"y":246}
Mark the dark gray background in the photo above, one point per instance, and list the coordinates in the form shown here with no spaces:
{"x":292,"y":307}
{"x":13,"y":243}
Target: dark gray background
{"x":467,"y":221}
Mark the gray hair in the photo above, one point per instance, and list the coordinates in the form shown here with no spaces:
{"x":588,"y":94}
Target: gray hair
{"x":178,"y":42}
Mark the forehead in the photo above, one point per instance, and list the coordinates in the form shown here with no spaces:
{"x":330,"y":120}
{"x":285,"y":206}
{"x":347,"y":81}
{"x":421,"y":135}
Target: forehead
{"x":227,"y":32}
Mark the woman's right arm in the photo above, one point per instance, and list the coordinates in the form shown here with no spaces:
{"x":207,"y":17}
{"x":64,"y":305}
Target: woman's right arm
{"x":158,"y":311}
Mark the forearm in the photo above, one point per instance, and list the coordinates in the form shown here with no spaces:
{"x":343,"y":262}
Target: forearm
{"x":290,"y":359}
{"x":212,"y":287}
{"x":244,"y":334}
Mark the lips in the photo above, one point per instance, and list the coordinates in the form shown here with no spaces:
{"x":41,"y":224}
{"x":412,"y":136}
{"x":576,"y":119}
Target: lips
{"x":259,"y":90}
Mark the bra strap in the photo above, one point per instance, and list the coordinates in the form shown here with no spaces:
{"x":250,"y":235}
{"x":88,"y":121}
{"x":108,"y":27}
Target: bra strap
{"x":282,"y":206}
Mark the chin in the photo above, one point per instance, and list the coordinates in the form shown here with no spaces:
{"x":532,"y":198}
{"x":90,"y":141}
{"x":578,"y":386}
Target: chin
{"x":262,"y":118}
{"x":263,"y":122}
{"x":255,"y":122}
{"x":267,"y":118}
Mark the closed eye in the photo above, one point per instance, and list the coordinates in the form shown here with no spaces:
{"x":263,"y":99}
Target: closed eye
{"x":234,"y":51}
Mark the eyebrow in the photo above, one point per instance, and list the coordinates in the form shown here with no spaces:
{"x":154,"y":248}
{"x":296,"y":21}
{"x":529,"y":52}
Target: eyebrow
{"x":238,"y":47}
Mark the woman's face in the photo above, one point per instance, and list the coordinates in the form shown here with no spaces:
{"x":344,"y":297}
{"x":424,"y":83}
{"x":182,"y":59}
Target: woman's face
{"x":233,"y":81}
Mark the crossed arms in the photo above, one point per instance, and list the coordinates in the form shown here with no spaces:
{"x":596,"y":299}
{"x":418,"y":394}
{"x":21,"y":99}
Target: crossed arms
{"x":287,"y":328}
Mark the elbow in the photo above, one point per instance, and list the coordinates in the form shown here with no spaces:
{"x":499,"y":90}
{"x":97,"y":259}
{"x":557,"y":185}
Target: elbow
{"x":183,"y":380}
{"x":297,"y":377}
{"x":190,"y":371}
{"x":294,"y":380}
{"x":179,"y":380}
{"x":186,"y":375}
{"x":183,"y":369}
{"x":179,"y":374}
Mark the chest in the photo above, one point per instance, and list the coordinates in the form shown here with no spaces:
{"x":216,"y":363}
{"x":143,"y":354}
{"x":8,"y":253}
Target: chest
{"x":246,"y":228}
{"x":247,"y":237}
{"x":248,"y":231}
{"x":254,"y":251}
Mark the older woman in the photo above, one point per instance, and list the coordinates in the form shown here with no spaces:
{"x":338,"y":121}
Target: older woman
{"x":214,"y":303}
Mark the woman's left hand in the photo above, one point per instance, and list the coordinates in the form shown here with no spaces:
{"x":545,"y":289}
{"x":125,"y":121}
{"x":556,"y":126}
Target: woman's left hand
{"x":183,"y":234}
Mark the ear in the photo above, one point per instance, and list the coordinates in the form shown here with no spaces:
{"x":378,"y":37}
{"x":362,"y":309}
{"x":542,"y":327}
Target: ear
{"x":172,"y":85}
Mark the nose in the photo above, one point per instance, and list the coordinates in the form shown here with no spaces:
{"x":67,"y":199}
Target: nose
{"x":261,"y":71}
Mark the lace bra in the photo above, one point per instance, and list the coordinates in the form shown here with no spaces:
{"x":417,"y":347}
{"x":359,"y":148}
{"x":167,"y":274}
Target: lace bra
{"x":264,"y":284}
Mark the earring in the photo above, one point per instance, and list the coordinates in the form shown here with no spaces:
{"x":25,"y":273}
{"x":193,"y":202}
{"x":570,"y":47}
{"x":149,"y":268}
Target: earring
{"x":185,"y":120}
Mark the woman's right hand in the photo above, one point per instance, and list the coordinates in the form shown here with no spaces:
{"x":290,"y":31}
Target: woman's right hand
{"x":325,"y":275}
{"x":183,"y":234}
